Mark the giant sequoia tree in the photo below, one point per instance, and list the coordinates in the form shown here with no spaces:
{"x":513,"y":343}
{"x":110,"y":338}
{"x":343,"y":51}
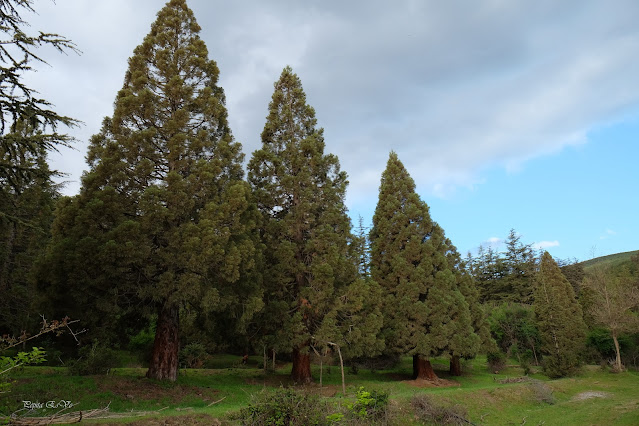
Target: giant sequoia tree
{"x":163,"y":218}
{"x":425,"y":313}
{"x":300,"y":192}
{"x":559,"y":319}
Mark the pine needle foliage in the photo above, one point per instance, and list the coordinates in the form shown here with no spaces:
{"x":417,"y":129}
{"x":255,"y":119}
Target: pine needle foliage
{"x":164,"y":218}
{"x":300,"y":192}
{"x":559,"y":320}
{"x":425,"y":312}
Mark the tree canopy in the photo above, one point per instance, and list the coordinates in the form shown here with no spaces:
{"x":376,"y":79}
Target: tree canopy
{"x":300,"y":192}
{"x":559,"y":319}
{"x":425,"y":312}
{"x":163,"y":211}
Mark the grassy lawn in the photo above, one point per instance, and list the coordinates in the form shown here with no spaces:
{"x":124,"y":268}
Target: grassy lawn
{"x":593,"y":397}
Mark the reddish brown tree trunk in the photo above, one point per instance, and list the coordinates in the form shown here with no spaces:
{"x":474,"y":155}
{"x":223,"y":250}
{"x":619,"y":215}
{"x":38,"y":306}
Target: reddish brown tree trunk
{"x":166,"y":347}
{"x":422,"y":369}
{"x":455,"y":366}
{"x":301,"y":372}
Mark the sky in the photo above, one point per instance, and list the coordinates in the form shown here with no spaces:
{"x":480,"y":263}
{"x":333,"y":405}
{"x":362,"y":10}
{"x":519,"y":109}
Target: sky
{"x":508,"y":115}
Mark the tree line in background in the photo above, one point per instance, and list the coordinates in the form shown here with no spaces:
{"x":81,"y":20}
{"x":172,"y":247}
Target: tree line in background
{"x":169,"y":246}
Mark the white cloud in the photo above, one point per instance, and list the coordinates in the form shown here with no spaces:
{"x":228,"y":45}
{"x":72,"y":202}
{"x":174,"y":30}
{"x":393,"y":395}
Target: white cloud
{"x":453,"y":87}
{"x":607,"y":234}
{"x":493,"y":242}
{"x":546,"y":244}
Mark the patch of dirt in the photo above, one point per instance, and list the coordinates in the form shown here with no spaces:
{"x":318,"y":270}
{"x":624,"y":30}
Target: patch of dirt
{"x":146,"y":390}
{"x":589,"y":395}
{"x":439,"y":383}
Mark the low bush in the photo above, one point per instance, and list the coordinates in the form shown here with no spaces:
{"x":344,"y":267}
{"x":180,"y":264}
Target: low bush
{"x":193,"y":355}
{"x":542,"y":392}
{"x":431,"y":412}
{"x":496,"y":361}
{"x":369,"y":406}
{"x":284,"y":407}
{"x":142,"y":344}
{"x":94,"y":359}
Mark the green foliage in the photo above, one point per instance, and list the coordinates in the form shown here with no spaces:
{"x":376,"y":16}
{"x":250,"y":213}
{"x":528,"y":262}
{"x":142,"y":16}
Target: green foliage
{"x":601,"y":341}
{"x":469,"y":288}
{"x":193,"y":355}
{"x":285,"y":407}
{"x":410,"y":261}
{"x":28,"y":130}
{"x":10,"y":363}
{"x":300,"y":192}
{"x":369,"y":405}
{"x":291,"y":407}
{"x":612,"y":300}
{"x":505,"y":276}
{"x":574,"y":273}
{"x":19,"y":104}
{"x":559,"y":320}
{"x":163,"y":213}
{"x":142,"y":343}
{"x":496,"y":361}
{"x":515,"y":330}
{"x":94,"y":359}
{"x":612,"y":261}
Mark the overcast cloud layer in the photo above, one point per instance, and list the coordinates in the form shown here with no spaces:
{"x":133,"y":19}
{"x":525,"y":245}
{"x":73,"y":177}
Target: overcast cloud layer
{"x":453,"y":87}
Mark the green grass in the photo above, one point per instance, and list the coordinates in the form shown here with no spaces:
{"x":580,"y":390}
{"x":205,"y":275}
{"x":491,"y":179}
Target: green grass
{"x":612,"y":261}
{"x":486,"y":399}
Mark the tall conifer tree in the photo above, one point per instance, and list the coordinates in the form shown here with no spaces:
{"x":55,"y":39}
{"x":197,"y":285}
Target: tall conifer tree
{"x":469,"y":348}
{"x":425,"y":313}
{"x":559,"y":319}
{"x":163,"y":217}
{"x":300,"y":192}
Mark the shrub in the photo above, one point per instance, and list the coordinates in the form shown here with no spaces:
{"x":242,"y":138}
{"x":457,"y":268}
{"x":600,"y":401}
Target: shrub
{"x":542,"y":392}
{"x":429,"y":411}
{"x":142,"y":344}
{"x":285,"y":407}
{"x":369,"y":405}
{"x":94,"y":359}
{"x":193,"y":355}
{"x":496,"y":361}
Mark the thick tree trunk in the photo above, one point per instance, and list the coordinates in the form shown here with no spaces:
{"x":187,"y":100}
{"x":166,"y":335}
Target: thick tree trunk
{"x":455,"y":366}
{"x":166,"y":347}
{"x":422,"y":369}
{"x":301,"y":372}
{"x":618,"y":365}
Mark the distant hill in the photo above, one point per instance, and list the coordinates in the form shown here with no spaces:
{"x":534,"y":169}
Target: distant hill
{"x":613,"y":261}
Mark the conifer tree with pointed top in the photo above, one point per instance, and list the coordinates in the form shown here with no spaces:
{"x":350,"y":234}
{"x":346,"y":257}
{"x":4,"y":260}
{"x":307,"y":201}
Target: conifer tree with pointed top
{"x":300,"y":191}
{"x":164,"y":219}
{"x":425,"y":312}
{"x":559,"y":319}
{"x":468,"y":287}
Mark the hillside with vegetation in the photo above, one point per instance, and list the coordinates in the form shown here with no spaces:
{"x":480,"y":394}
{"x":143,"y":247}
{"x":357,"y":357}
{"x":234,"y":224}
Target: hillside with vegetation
{"x":614,"y":261}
